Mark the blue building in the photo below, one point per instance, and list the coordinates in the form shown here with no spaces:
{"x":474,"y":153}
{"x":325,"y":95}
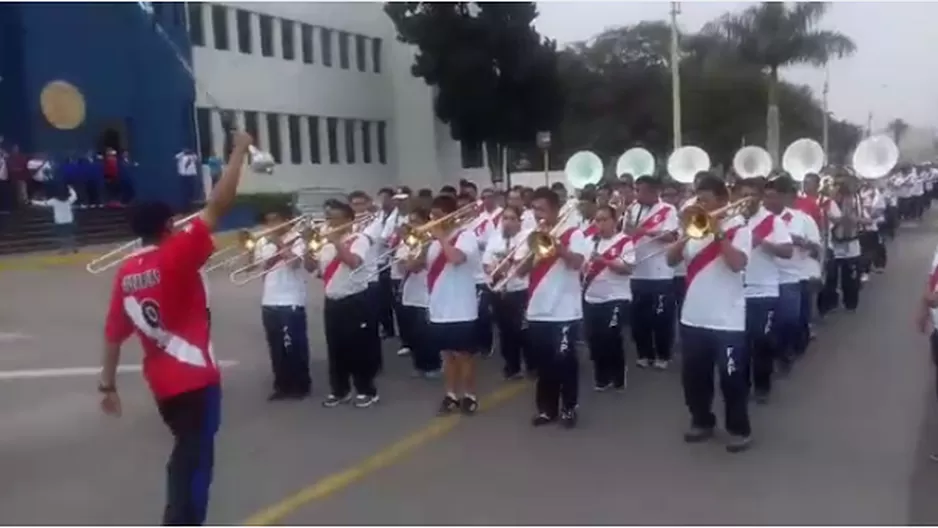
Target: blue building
{"x":137,"y":95}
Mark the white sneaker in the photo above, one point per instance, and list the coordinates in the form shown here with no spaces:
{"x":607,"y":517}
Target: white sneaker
{"x":404,"y":351}
{"x":865,"y":277}
{"x":362,"y":401}
{"x":643,"y":363}
{"x":661,"y":364}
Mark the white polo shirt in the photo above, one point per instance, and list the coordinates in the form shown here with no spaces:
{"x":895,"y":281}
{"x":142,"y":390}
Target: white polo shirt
{"x":452,"y":288}
{"x":605,"y":285}
{"x":413,"y":283}
{"x":662,"y":217}
{"x":496,"y":249}
{"x":762,"y":270}
{"x":284,"y":285}
{"x":338,"y":282}
{"x":800,"y":266}
{"x":554,"y":290}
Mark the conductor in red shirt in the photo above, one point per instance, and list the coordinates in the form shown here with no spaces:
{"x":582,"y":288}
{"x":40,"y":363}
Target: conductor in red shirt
{"x":158,"y":294}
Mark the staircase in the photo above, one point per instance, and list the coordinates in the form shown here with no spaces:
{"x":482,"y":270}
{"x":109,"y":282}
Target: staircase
{"x":32,"y":229}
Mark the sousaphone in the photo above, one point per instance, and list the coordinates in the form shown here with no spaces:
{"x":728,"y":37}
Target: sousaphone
{"x":636,"y":161}
{"x":804,"y":156}
{"x":752,"y":162}
{"x":875,"y":157}
{"x":685,"y":162}
{"x":583,"y":168}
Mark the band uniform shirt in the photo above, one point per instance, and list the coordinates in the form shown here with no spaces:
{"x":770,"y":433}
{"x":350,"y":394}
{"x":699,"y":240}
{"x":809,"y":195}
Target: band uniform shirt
{"x":373,"y":231}
{"x":800,"y":266}
{"x":158,"y":294}
{"x":874,"y":209}
{"x":528,"y":222}
{"x":389,"y":222}
{"x":452,"y":288}
{"x":393,"y":240}
{"x":338,"y":282}
{"x":413,"y":284}
{"x":656,"y":267}
{"x":607,"y":285}
{"x":283,"y":285}
{"x":555,"y":293}
{"x":762,"y":270}
{"x":842,"y":248}
{"x":498,"y":246}
{"x":716,"y":295}
{"x":482,"y":228}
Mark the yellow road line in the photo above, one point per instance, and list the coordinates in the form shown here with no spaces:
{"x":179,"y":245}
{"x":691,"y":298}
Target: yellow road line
{"x":388,"y":456}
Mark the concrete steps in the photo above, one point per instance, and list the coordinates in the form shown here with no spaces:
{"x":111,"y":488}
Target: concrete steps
{"x":32,"y":229}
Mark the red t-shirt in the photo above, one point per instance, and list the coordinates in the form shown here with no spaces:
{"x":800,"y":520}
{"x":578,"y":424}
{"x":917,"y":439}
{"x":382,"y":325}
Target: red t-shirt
{"x":110,"y":166}
{"x":159,"y":295}
{"x":810,"y":206}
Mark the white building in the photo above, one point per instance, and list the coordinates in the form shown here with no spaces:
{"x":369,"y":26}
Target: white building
{"x":327,"y":89}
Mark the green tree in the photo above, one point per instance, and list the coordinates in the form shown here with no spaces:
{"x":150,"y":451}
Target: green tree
{"x":495,"y":78}
{"x":773,"y":35}
{"x":897,"y":128}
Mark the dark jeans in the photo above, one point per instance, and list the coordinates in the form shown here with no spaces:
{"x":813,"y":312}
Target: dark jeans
{"x":354,"y":348}
{"x":704,"y":350}
{"x":287,"y":342}
{"x":398,"y":308}
{"x":7,"y":196}
{"x":415,"y":331}
{"x":873,"y":251}
{"x":484,"y":321}
{"x":558,"y":368}
{"x":604,"y":323}
{"x":760,"y":340}
{"x":787,"y":320}
{"x":384,"y":298}
{"x":845,"y":273}
{"x":508,"y":309}
{"x":193,"y":418}
{"x":680,"y":289}
{"x":808,"y":291}
{"x":65,"y":233}
{"x":933,"y":342}
{"x":653,"y":318}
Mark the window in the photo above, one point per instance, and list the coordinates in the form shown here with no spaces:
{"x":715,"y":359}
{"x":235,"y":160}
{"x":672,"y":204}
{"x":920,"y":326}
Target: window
{"x":243,"y":20}
{"x":267,"y":36}
{"x":196,"y":24}
{"x":360,"y":52}
{"x":471,"y":154}
{"x":332,"y":136}
{"x":293,"y":128}
{"x":382,"y":143}
{"x":343,"y":50}
{"x":349,"y":141}
{"x":286,"y":36}
{"x":273,"y":132}
{"x":366,"y":141}
{"x":250,"y":126}
{"x":203,"y":117}
{"x":220,"y":26}
{"x":376,"y":54}
{"x":306,"y":42}
{"x":314,"y":155}
{"x":326,"y":36}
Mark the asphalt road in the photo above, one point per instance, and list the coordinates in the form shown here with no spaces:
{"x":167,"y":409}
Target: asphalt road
{"x":845,"y":440}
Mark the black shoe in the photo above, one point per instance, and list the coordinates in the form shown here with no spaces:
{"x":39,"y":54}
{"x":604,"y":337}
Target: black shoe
{"x":568,"y":419}
{"x":738,"y":444}
{"x":468,"y":405}
{"x":761,"y":397}
{"x":696,"y":435}
{"x":602,"y":387}
{"x":448,"y":405}
{"x":334,"y":401}
{"x":278,"y":395}
{"x":542,"y":419}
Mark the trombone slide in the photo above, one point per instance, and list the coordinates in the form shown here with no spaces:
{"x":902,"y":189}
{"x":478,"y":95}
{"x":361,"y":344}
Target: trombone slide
{"x":118,"y":255}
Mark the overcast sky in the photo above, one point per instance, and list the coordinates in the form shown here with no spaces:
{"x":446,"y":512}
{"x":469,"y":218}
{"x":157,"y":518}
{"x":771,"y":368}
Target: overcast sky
{"x":894,"y":72}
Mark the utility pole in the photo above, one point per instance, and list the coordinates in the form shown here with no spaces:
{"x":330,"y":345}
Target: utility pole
{"x":675,"y":76}
{"x":825,"y":137}
{"x":869,"y":124}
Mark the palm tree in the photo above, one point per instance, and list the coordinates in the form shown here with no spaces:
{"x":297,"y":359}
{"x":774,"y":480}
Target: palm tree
{"x":772,"y":35}
{"x":897,"y":127}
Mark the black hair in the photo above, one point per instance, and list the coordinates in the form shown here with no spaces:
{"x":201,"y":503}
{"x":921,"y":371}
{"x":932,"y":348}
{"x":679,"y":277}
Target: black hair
{"x":354,"y":195}
{"x":421,"y":212}
{"x":757,"y":183}
{"x":588,"y":195}
{"x":345,"y":210}
{"x":284,"y":212}
{"x":445,"y":203}
{"x":463,"y":182}
{"x":425,"y":193}
{"x":557,"y":186}
{"x":466,"y":184}
{"x":648,"y":180}
{"x":782,"y":184}
{"x":673,"y":184}
{"x":609,"y":209}
{"x":331,"y":202}
{"x":514,"y":209}
{"x":548,"y":195}
{"x":148,"y":221}
{"x":403,"y":189}
{"x":701,"y":174}
{"x":448,"y":189}
{"x":386,"y":190}
{"x":464,"y":197}
{"x":812,"y":176}
{"x":707,"y":181}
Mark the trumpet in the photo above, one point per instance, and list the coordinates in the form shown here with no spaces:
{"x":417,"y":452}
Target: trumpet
{"x":118,"y":255}
{"x":248,"y":241}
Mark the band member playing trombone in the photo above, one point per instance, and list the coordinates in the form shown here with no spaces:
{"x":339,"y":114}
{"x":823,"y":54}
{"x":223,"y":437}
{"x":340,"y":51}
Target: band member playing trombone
{"x":713,"y":319}
{"x":283,"y":306}
{"x":607,"y":296}
{"x":352,"y":343}
{"x":515,"y":198}
{"x":452,"y":260}
{"x":771,"y":243}
{"x":651,"y":222}
{"x":509,"y":303}
{"x":481,"y":228}
{"x":412,"y":313}
{"x":392,"y":240}
{"x":555,"y":307}
{"x":159,"y":295}
{"x":371,"y":225}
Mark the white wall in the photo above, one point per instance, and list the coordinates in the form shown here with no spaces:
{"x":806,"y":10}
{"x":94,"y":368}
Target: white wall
{"x":420,"y":152}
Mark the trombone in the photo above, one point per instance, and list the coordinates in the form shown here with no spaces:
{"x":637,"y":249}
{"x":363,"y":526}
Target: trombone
{"x":247,"y":241}
{"x":541,"y":244}
{"x":118,"y":255}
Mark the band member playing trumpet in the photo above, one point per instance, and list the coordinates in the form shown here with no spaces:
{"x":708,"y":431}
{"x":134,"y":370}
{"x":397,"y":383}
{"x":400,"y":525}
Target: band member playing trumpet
{"x":452,"y":260}
{"x":283,"y":306}
{"x":607,"y":296}
{"x":509,"y":303}
{"x":771,"y":243}
{"x":351,"y":331}
{"x":415,"y":297}
{"x":713,"y":319}
{"x":653,"y":305}
{"x":555,"y":308}
{"x":159,"y":295}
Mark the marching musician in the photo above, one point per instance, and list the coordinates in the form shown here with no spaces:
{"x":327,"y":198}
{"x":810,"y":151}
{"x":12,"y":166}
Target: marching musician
{"x":652,"y":305}
{"x":586,"y":206}
{"x":481,"y":227}
{"x":491,"y":208}
{"x":413,"y":304}
{"x":468,"y":189}
{"x":515,"y":199}
{"x":771,"y":243}
{"x":713,"y":319}
{"x":872,"y":248}
{"x":282,"y":254}
{"x":391,"y":236}
{"x":452,"y":261}
{"x":387,"y":218}
{"x":555,"y":310}
{"x":843,"y":267}
{"x":509,"y":302}
{"x":672,"y":193}
{"x":160,"y":296}
{"x":607,"y":296}
{"x":350,"y":328}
